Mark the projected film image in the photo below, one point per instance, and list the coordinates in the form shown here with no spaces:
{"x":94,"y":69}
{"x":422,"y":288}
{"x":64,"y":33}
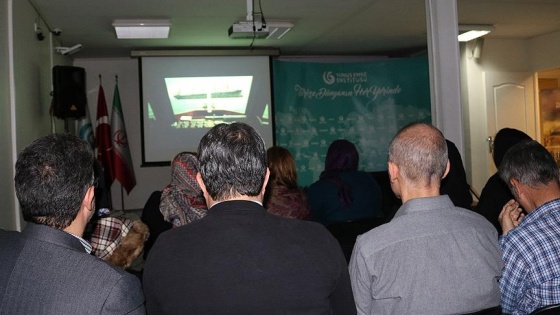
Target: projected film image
{"x":207,"y":101}
{"x":183,"y":97}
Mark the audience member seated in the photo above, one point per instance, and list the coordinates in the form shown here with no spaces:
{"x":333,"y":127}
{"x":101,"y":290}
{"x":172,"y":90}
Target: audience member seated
{"x":343,"y":193}
{"x":283,"y":197}
{"x":496,"y":193}
{"x":118,"y":240}
{"x":240,"y":259}
{"x":180,"y":202}
{"x":433,"y":257}
{"x":47,"y":268}
{"x":530,"y":243}
{"x":455,"y":184}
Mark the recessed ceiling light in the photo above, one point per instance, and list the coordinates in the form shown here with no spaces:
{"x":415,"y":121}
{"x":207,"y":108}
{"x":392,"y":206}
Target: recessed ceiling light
{"x":278,"y":29}
{"x":137,"y":29}
{"x":470,"y":32}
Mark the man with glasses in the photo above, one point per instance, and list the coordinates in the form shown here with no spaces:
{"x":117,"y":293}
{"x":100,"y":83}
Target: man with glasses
{"x":47,"y":268}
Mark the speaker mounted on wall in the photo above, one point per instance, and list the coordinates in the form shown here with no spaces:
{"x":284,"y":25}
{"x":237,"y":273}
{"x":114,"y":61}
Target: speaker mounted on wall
{"x":69,"y":95}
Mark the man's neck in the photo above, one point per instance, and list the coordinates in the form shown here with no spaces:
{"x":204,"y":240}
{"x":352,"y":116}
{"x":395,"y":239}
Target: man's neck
{"x":258,"y":199}
{"x":409,"y":193}
{"x":542,"y":195}
{"x":75,"y":229}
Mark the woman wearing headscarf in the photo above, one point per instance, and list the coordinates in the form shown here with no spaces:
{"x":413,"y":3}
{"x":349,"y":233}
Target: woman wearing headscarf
{"x":496,"y":193}
{"x":180,"y":202}
{"x":343,"y":193}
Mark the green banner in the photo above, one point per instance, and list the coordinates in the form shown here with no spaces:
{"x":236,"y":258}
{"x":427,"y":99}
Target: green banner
{"x":363,"y":102}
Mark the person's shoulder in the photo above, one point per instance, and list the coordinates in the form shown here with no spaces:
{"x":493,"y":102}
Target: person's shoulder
{"x":301,"y":227}
{"x":379,"y":238}
{"x":99,"y":264}
{"x":361,"y":177}
{"x":111,"y":280}
{"x":472,"y":215}
{"x":12,"y":235}
{"x":11,"y":242}
{"x":318,"y":184}
{"x":494,"y":185}
{"x":317,"y":191}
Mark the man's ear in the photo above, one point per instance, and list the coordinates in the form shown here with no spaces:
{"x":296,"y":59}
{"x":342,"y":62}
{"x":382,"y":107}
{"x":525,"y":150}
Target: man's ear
{"x":447,"y":168}
{"x":393,"y":171}
{"x":263,"y":189}
{"x":201,"y":183}
{"x":516,"y":187}
{"x":88,"y":204}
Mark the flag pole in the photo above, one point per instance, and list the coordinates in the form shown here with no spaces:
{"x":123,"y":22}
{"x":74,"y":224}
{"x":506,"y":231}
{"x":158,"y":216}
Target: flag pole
{"x":122,"y":198}
{"x":122,"y":188}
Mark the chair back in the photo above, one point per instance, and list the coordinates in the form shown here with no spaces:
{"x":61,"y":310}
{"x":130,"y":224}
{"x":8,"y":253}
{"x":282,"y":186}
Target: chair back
{"x":496,"y":310}
{"x":547,"y":310}
{"x":347,"y":232}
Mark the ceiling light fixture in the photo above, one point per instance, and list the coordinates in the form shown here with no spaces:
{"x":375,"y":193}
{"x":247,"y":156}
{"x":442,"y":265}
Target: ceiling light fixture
{"x":278,"y":29}
{"x":469,"y":32}
{"x":137,"y":29}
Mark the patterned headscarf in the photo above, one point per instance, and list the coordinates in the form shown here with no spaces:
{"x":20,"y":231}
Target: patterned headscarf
{"x":182,"y":201}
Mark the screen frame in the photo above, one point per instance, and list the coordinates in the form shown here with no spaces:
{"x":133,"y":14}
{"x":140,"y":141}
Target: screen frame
{"x":140,"y":56}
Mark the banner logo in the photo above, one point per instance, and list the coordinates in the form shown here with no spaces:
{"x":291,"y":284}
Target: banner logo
{"x":328,"y":77}
{"x":344,"y":77}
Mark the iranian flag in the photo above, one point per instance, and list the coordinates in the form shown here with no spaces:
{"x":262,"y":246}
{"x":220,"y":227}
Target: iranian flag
{"x":103,"y":137}
{"x":124,"y":172}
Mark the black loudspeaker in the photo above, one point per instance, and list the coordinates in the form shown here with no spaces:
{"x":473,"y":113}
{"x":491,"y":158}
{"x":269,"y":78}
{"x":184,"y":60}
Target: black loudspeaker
{"x":69,"y":96}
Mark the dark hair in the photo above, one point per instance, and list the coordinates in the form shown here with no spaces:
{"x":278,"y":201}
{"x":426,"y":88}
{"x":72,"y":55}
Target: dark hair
{"x":504,"y":140}
{"x":52,"y":177}
{"x":420,"y":151}
{"x":282,"y":167}
{"x":342,"y":156}
{"x":530,"y":163}
{"x":232,"y":161}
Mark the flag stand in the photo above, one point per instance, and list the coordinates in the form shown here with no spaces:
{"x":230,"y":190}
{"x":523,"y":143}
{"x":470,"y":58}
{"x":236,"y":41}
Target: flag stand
{"x":122,"y":198}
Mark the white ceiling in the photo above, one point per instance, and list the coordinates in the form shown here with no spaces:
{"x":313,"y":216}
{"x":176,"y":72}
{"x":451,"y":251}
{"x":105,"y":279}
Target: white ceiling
{"x":322,"y":27}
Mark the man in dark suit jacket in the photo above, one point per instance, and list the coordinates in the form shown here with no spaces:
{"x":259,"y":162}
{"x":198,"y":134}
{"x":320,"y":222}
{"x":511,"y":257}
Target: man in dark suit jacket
{"x":240,"y":259}
{"x":47,"y":269}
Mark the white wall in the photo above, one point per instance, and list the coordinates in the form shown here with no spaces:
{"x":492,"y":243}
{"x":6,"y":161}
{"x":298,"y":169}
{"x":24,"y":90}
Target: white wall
{"x":32,"y":75}
{"x":24,"y":108}
{"x":545,"y":52}
{"x":7,"y":195}
{"x":148,"y":178}
{"x":498,"y":55}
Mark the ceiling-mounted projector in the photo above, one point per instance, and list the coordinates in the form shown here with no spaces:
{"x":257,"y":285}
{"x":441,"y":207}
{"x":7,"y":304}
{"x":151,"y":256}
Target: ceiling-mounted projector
{"x":248,"y":29}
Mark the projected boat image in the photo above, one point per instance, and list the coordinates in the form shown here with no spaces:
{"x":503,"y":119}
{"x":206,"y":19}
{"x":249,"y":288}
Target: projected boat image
{"x":226,"y":94}
{"x":191,"y":96}
{"x":197,"y":99}
{"x":209,"y":106}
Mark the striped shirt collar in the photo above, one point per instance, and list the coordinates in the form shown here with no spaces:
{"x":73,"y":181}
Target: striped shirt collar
{"x":85,"y":244}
